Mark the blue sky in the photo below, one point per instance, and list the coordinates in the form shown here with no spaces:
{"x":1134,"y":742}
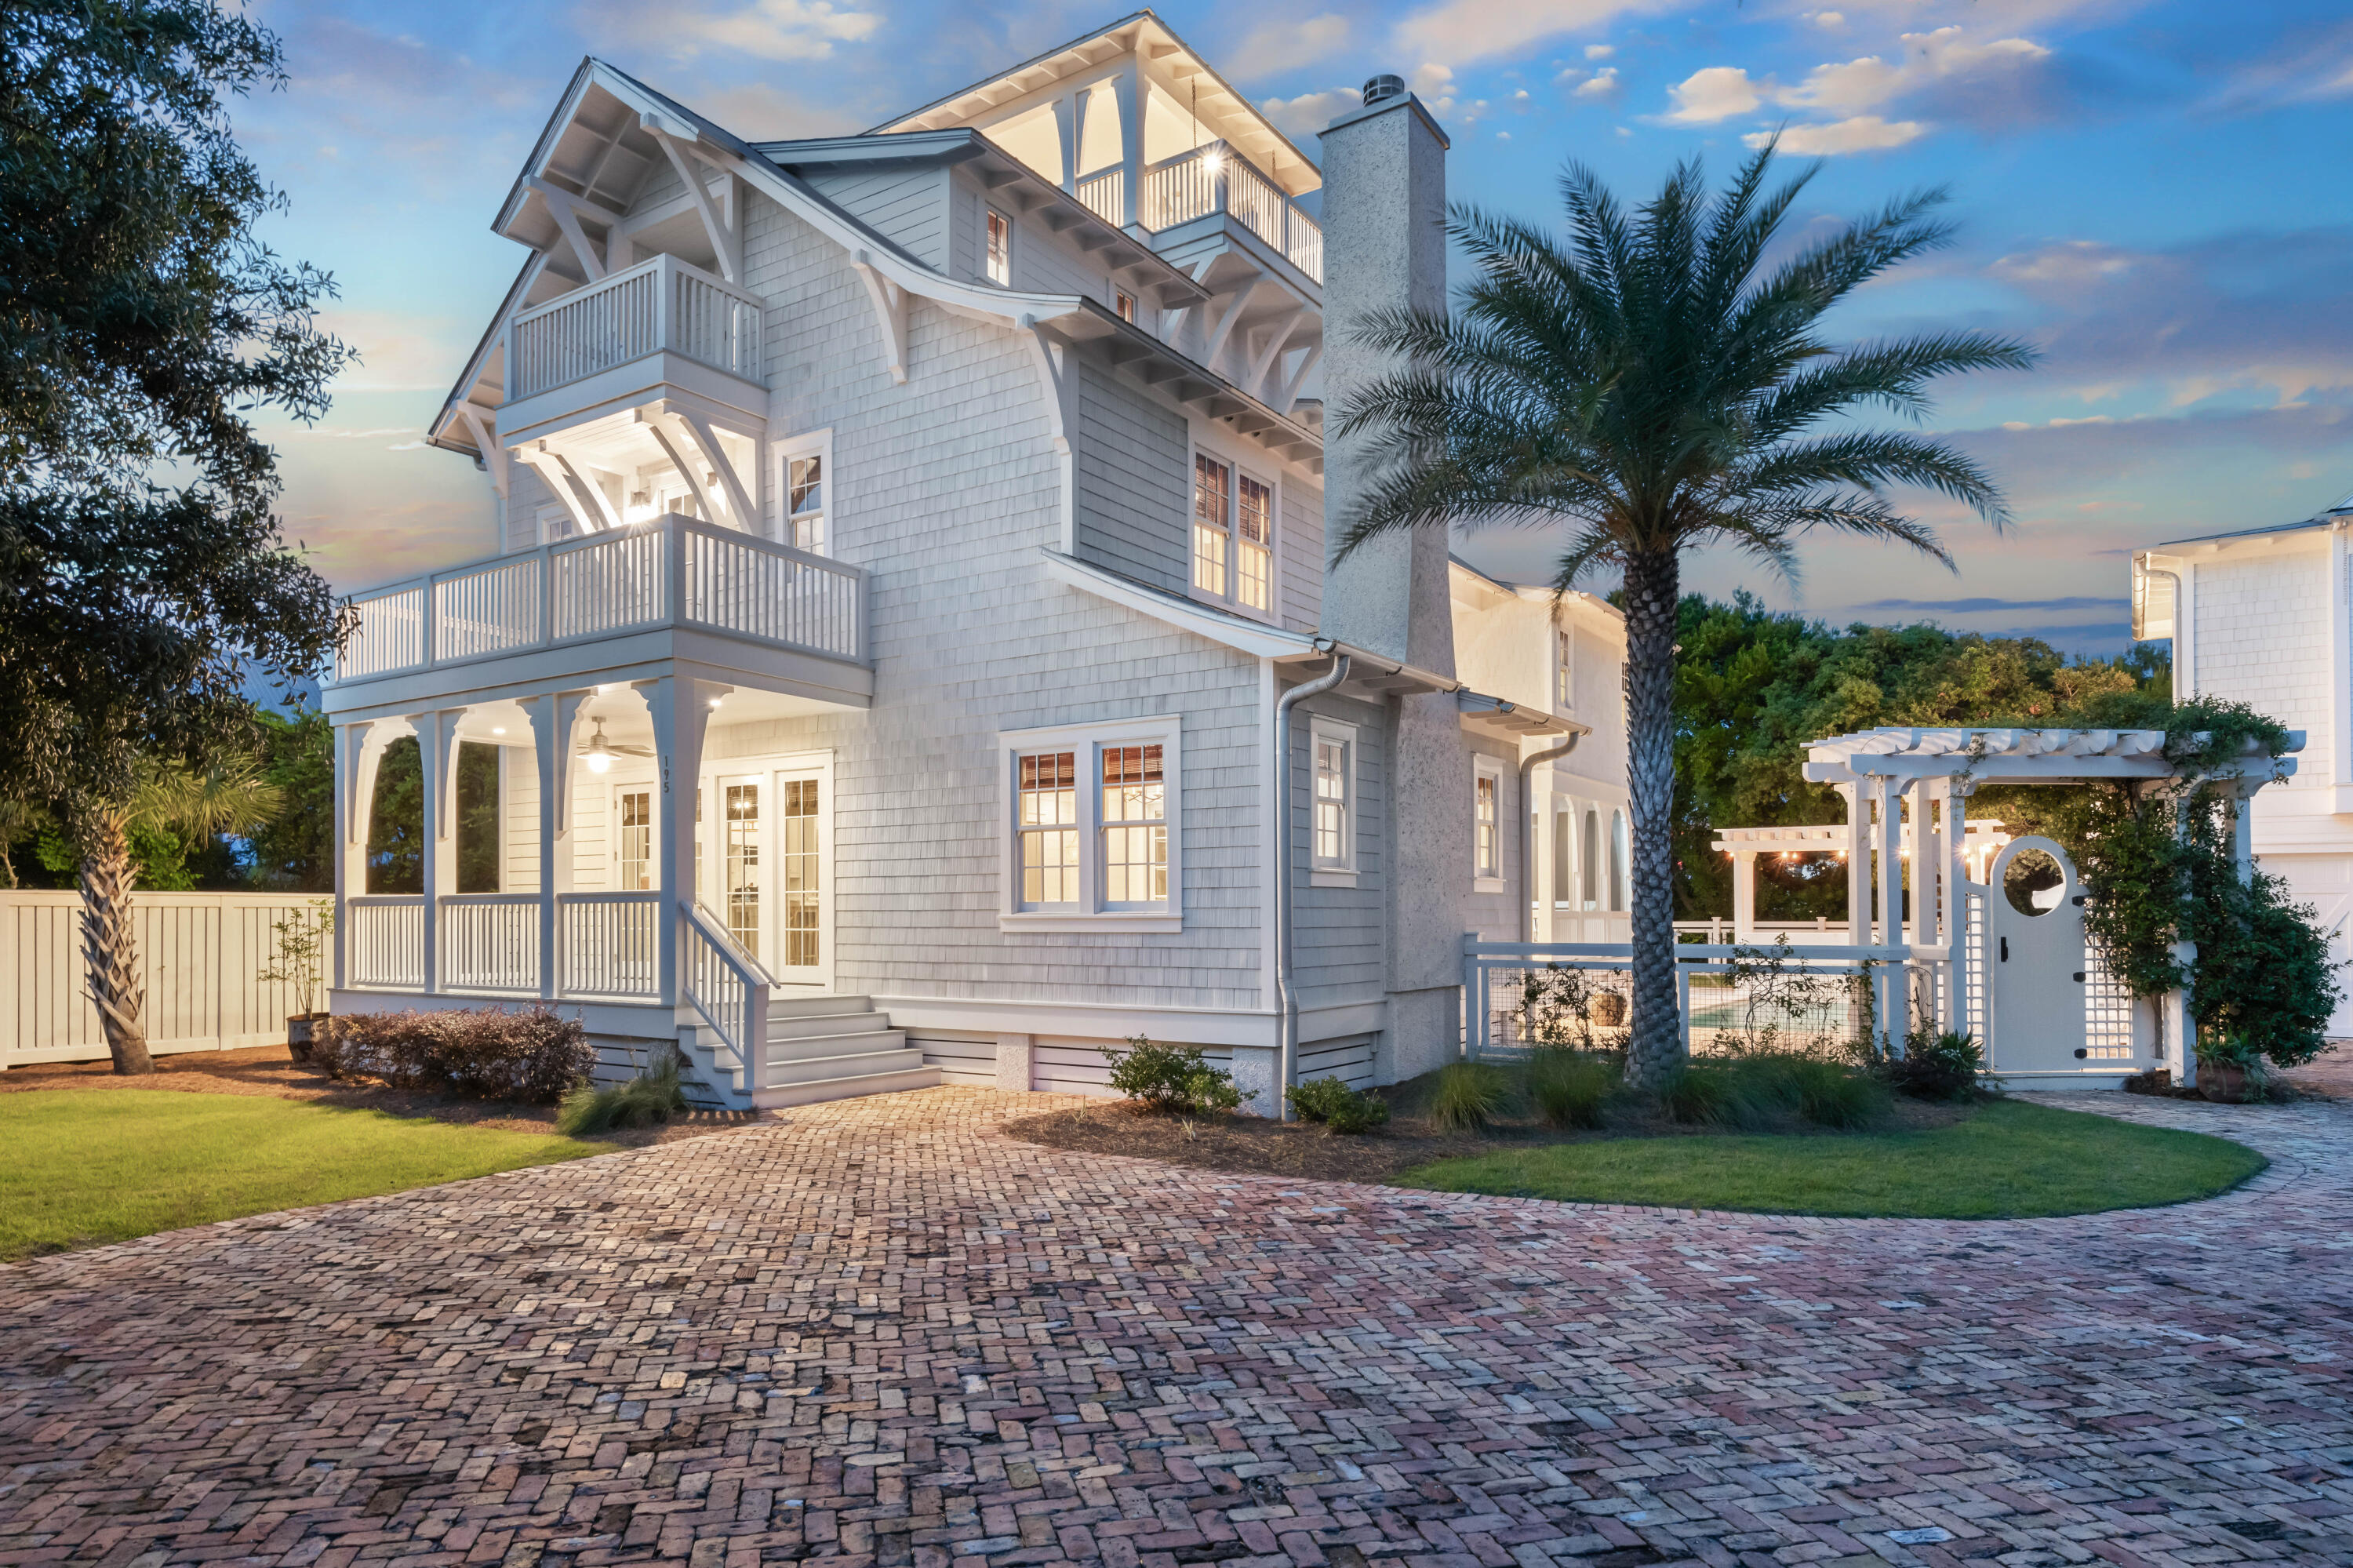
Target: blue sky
{"x":2155,"y":194}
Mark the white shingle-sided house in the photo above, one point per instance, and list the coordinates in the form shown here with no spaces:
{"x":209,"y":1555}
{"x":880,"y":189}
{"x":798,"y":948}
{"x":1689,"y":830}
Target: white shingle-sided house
{"x":2265,"y":616}
{"x":911,"y":550}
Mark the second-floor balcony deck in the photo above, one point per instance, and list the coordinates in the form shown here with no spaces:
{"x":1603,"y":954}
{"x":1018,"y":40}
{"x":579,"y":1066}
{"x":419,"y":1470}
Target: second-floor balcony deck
{"x":661,"y":321}
{"x":620,"y":596}
{"x":1208,"y":180}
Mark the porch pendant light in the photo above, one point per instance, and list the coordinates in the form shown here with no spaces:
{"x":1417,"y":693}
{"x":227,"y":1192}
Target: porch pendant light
{"x":599,"y":757}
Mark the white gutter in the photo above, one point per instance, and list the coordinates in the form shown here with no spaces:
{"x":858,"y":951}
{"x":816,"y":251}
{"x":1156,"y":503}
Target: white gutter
{"x":1286,"y":1001}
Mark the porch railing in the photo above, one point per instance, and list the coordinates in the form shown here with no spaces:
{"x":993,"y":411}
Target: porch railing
{"x":387,"y":937}
{"x":1215,"y":178}
{"x":610,"y":944}
{"x":1105,"y":194}
{"x":728,"y":990}
{"x":673,"y":571}
{"x":490,"y":942}
{"x":662,"y":304}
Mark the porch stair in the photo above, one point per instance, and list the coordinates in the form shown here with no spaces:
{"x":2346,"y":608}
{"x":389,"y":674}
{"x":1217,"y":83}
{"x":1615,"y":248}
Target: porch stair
{"x":820,"y":1048}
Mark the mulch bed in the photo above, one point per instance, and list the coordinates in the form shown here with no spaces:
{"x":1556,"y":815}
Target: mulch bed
{"x":273,"y":1071}
{"x":1259,"y":1145}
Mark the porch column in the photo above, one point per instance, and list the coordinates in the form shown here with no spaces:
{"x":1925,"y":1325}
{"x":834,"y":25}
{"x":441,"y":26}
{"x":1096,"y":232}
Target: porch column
{"x":350,"y":842}
{"x":681,"y":710}
{"x":1957,"y":900}
{"x":437,"y":744}
{"x":1744,"y":896}
{"x":551,"y":729}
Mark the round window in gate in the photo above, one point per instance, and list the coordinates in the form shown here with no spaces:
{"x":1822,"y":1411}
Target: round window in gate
{"x":2033,"y":883}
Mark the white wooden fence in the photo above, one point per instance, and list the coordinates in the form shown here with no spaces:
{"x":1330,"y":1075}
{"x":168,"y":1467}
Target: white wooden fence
{"x":200,"y":952}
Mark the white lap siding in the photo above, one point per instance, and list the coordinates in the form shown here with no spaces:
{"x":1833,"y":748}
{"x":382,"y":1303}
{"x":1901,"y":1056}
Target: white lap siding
{"x":2262,"y":638}
{"x":905,"y":204}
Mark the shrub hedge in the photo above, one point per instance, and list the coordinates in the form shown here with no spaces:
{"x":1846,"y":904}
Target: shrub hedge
{"x":534,"y":1055}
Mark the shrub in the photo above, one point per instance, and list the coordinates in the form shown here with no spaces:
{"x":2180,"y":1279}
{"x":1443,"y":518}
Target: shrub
{"x":1936,"y":1064}
{"x":650,"y":1099}
{"x":1173,"y":1080}
{"x":1468,"y":1095}
{"x":1570,"y":1087}
{"x":486,"y":1054}
{"x":1339,"y":1108}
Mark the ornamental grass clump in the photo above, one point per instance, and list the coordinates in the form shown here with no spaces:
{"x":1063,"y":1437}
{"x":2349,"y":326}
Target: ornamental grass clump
{"x":1469,"y":1097}
{"x":649,"y":1100}
{"x":1570,"y":1090}
{"x":533,"y":1055}
{"x":1338,"y":1107}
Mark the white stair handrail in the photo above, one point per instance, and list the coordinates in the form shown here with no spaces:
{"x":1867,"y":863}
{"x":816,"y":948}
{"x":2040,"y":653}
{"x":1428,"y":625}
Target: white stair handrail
{"x":727,"y":987}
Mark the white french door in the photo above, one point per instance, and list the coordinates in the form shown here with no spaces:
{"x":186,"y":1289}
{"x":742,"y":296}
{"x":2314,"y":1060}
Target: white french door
{"x":772,"y":865}
{"x":802,"y":940}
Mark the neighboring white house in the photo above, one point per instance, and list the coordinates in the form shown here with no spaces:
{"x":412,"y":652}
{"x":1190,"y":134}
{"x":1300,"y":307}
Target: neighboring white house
{"x":2262,"y":616}
{"x":906,"y":541}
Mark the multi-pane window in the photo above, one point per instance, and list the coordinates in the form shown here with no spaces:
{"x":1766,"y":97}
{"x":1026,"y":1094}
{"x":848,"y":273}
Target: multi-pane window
{"x":1124,"y":304}
{"x":1212,"y":496}
{"x":1334,"y":834}
{"x":1486,"y":824}
{"x":1046,"y":819}
{"x":805,"y":502}
{"x":742,"y":851}
{"x":799,"y":871}
{"x":1000,"y":249}
{"x":1135,"y":827}
{"x":1233,"y":534}
{"x":633,"y":841}
{"x":1564,"y":678}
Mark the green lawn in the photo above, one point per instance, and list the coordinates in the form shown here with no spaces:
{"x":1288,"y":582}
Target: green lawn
{"x":79,"y":1167}
{"x":2009,"y":1159}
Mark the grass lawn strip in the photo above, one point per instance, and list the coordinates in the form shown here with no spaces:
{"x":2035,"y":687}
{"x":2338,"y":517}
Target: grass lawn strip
{"x":2010,"y":1160}
{"x":79,"y":1167}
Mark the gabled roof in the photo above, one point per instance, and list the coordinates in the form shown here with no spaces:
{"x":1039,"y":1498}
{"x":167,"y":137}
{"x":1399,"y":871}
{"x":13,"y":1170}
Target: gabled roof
{"x":1218,"y":103}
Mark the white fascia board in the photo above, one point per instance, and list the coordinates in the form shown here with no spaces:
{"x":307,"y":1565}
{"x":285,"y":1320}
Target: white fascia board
{"x":1245,"y":636}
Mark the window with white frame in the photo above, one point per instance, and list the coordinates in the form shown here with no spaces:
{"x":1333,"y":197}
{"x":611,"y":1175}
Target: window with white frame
{"x":1233,"y":535}
{"x":1092,"y":832}
{"x":1332,"y":794}
{"x":1000,"y":249}
{"x":805,"y":492}
{"x":1564,"y":671}
{"x":1487,"y":824}
{"x":1123,"y":304}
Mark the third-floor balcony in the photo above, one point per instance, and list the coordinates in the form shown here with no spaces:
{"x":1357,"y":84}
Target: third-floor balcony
{"x":1209,"y":181}
{"x":662,"y":322}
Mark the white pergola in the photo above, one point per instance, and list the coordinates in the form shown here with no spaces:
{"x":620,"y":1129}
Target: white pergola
{"x":1981,"y":841}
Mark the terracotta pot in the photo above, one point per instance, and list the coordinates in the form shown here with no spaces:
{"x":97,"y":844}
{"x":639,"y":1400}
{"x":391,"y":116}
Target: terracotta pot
{"x":2224,"y":1083}
{"x":1609,"y":1011}
{"x":301,"y":1029}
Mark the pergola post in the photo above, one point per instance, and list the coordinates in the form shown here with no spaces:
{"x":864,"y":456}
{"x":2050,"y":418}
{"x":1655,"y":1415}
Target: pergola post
{"x":1858,"y":861}
{"x":1888,"y":930}
{"x":1744,"y":896}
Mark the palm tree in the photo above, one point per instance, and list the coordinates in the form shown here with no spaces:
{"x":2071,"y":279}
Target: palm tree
{"x":1651,"y":386}
{"x":226,"y":798}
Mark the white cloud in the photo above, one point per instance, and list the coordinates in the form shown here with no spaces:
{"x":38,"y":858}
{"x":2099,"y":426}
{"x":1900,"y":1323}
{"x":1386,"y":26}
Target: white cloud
{"x":762,"y":29}
{"x":1714,"y":93}
{"x":1603,"y":85}
{"x":1302,"y":116}
{"x":1830,"y":21}
{"x":1863,"y":133}
{"x":1434,"y":85}
{"x":1860,"y":85}
{"x":1458,"y":30}
{"x":1275,"y":46}
{"x":1599,"y":51}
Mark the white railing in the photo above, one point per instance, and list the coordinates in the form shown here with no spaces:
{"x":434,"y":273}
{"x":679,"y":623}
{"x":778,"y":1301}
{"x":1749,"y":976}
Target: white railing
{"x":387,"y":939}
{"x":489,"y":941}
{"x":1215,"y":178}
{"x":1519,"y":994}
{"x":674,"y":570}
{"x":1105,"y":194}
{"x":1815,"y":933}
{"x":610,"y":944}
{"x":487,"y":610}
{"x":661,"y":305}
{"x":200,"y":957}
{"x":727,"y":988}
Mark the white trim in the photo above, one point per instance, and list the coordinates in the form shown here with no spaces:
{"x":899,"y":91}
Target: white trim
{"x":989,"y":210}
{"x":1341,"y":871}
{"x":982,"y":1016}
{"x":1238,"y":465}
{"x":807,"y":444}
{"x":1087,"y":741}
{"x":1220,"y":627}
{"x":1481,"y":880}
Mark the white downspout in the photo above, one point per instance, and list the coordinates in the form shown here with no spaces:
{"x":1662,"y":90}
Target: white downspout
{"x":1529,"y":839}
{"x":1286,"y":1000}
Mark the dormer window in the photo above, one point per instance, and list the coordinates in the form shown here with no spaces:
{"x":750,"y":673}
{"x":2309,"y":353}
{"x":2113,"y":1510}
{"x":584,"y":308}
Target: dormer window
{"x":1000,"y":249}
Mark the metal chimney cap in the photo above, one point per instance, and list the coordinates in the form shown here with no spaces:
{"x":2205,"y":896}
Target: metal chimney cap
{"x":1382,"y":87}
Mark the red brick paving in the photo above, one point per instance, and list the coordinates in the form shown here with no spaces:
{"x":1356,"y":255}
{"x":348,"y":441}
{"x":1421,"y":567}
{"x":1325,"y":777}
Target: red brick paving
{"x":882,"y":1334}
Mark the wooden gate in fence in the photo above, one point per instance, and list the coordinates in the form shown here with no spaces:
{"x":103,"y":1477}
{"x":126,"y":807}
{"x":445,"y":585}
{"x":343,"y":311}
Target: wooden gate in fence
{"x":200,"y":952}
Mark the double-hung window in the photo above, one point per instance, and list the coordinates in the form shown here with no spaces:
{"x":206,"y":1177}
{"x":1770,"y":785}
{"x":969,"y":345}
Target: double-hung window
{"x":1332,"y":802}
{"x":1092,"y":832}
{"x":1000,"y":249}
{"x":1233,"y":535}
{"x":1563,"y":675}
{"x":805,"y":491}
{"x":1486,"y":824}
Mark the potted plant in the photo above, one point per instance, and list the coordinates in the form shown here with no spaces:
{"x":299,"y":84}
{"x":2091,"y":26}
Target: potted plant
{"x":301,"y":942}
{"x":2229,"y":1070}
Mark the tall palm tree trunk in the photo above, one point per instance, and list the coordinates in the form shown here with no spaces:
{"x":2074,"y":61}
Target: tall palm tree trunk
{"x":1655,"y":1048}
{"x":110,"y":945}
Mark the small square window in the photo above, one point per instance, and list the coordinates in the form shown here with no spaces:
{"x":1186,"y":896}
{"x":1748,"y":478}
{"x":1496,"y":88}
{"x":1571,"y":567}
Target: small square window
{"x":1124,"y":304}
{"x":1000,"y":249}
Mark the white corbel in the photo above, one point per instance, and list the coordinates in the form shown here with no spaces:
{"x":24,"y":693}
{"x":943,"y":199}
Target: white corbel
{"x":1058,"y":376}
{"x":706,"y":442}
{"x":484,"y":425}
{"x":589,"y":492}
{"x":677,"y":443}
{"x":890,"y":310}
{"x":445,"y":754}
{"x":1277,"y":335}
{"x":1232,"y":316}
{"x":684,"y":153}
{"x":584,"y":502}
{"x":567,"y":209}
{"x":567,"y":718}
{"x":1290,"y":399}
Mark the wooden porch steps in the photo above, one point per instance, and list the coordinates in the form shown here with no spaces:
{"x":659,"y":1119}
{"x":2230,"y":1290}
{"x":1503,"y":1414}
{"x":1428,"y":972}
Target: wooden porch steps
{"x":820,"y":1048}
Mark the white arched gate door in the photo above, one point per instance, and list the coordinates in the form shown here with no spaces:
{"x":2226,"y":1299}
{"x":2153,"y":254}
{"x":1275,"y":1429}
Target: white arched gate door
{"x":2037,"y":969}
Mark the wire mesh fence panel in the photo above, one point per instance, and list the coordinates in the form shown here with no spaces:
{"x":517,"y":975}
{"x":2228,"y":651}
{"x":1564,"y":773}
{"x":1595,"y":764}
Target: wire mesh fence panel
{"x":1577,"y":1006}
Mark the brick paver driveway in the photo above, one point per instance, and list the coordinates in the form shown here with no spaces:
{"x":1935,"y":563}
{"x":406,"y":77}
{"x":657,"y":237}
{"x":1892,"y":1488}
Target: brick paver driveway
{"x":883,"y":1333}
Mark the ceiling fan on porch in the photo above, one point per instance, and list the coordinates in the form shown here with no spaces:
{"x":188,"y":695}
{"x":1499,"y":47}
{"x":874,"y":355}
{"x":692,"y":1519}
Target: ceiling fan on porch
{"x":600,"y":754}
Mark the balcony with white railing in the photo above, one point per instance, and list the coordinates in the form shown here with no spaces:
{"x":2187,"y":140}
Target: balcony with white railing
{"x":663,"y":318}
{"x":673,"y":574}
{"x":1213,"y":179}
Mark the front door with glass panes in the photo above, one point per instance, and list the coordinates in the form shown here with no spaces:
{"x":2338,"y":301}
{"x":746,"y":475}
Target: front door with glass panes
{"x":634,"y":868}
{"x":770,"y":870}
